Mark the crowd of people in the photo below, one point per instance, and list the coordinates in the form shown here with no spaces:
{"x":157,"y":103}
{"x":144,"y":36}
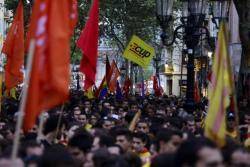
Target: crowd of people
{"x":132,"y":132}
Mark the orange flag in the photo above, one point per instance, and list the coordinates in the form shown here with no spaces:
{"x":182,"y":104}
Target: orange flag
{"x":114,"y":73}
{"x":51,"y":28}
{"x":14,"y":49}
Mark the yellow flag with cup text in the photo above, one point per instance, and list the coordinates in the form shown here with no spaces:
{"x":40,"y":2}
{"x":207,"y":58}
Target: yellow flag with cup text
{"x":139,"y":52}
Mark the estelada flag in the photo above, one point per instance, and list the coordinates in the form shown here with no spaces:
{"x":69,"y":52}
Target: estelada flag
{"x":88,"y":43}
{"x":51,"y":30}
{"x":139,"y":52}
{"x":114,"y":73}
{"x":14,"y":49}
{"x":221,"y":90}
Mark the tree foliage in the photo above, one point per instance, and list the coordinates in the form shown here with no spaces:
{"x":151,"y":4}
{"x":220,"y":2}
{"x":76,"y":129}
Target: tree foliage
{"x":119,"y":20}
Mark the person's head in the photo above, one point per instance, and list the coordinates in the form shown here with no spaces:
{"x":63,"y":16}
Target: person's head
{"x":240,"y":157}
{"x":123,"y":139}
{"x":108,"y":124}
{"x":32,"y":148}
{"x":79,"y":145}
{"x":168,"y":141}
{"x":102,"y":141}
{"x":150,"y":111}
{"x":56,"y":155}
{"x":134,"y":107}
{"x":2,"y":125}
{"x":142,"y":126}
{"x":87,"y":105}
{"x":94,"y":118}
{"x":102,"y":158}
{"x":133,"y":159}
{"x":72,"y":130}
{"x":198,"y":152}
{"x":231,"y":123}
{"x":115,"y":149}
{"x":76,"y":113}
{"x":139,"y":141}
{"x":163,"y":160}
{"x":190,"y":124}
{"x":106,"y":105}
{"x":51,"y":126}
{"x":82,"y":119}
{"x":247,"y":118}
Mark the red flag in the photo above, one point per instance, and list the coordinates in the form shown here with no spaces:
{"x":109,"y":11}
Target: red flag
{"x":197,"y":97}
{"x":126,"y":86}
{"x":88,"y":43}
{"x":51,"y":29}
{"x":157,"y":89}
{"x":14,"y":49}
{"x":73,"y":14}
{"x":114,"y":73}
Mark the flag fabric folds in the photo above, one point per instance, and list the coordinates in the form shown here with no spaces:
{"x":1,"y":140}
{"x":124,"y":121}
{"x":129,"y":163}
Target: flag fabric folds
{"x":220,"y":91}
{"x":126,"y":86}
{"x":73,"y":14}
{"x":118,"y":94}
{"x":104,"y":91}
{"x":139,"y":52}
{"x":89,"y":93}
{"x":51,"y":30}
{"x":88,"y":43}
{"x":197,"y":97}
{"x":105,"y":78}
{"x":114,"y":73}
{"x":14,"y":49}
{"x":157,"y":89}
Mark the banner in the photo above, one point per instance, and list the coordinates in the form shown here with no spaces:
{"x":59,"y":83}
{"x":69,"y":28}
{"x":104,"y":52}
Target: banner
{"x":139,"y":52}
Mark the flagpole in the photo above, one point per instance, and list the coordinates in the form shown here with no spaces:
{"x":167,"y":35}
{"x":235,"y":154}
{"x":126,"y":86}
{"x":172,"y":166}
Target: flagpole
{"x":142,"y":83}
{"x":40,"y":128}
{"x":59,"y":121}
{"x":23,"y":101}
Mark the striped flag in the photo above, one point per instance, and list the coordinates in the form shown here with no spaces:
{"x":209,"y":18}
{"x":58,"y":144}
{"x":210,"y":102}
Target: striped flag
{"x":220,"y":91}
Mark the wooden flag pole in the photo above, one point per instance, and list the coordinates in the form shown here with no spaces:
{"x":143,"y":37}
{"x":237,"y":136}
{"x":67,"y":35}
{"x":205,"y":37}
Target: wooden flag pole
{"x":23,"y":101}
{"x":59,"y":121}
{"x":134,"y":121}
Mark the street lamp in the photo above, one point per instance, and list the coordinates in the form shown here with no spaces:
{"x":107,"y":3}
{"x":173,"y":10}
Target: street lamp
{"x":164,"y":12}
{"x":191,"y":30}
{"x":219,"y":10}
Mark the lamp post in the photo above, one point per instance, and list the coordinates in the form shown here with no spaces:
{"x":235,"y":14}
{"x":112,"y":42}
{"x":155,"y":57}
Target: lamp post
{"x":77,"y":77}
{"x":191,"y":29}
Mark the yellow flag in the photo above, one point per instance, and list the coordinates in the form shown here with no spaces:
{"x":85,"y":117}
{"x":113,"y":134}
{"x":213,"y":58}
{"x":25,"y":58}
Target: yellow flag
{"x":13,"y":93}
{"x":89,"y":93}
{"x":139,"y":52}
{"x":220,"y":91}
